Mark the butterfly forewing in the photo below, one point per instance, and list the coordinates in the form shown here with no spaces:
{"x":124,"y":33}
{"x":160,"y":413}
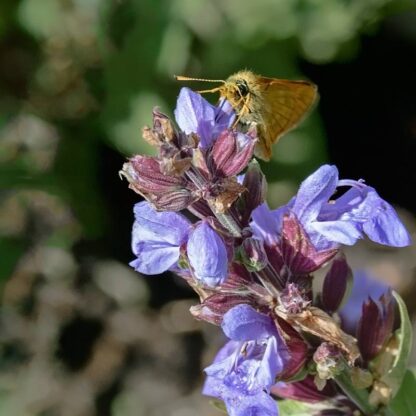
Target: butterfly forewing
{"x":286,"y":103}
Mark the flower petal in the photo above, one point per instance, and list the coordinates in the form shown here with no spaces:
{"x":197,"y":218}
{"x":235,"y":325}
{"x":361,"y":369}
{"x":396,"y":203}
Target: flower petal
{"x":223,"y":363}
{"x":363,"y":206}
{"x":388,"y":230}
{"x":154,"y":259}
{"x":273,"y":362}
{"x":315,"y":191}
{"x":267,"y":224}
{"x":260,"y":404}
{"x":156,"y":238}
{"x":349,"y":206}
{"x":342,"y":232}
{"x":194,"y":114}
{"x":162,"y":227}
{"x":208,"y":255}
{"x":384,"y":226}
{"x":244,"y":323}
{"x":240,"y":404}
{"x":225,"y":113}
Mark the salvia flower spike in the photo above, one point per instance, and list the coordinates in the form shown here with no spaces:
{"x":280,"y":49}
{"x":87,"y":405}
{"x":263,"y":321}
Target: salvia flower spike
{"x":252,"y":267}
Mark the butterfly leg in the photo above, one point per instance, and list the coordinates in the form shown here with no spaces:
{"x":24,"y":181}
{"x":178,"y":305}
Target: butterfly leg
{"x":244,"y":109}
{"x":208,"y":91}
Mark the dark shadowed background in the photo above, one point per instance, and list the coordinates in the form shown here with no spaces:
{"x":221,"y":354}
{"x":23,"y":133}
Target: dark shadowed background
{"x":82,"y":334}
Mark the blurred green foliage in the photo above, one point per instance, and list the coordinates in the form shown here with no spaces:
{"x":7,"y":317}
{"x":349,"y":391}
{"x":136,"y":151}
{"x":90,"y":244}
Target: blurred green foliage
{"x":78,"y":81}
{"x":81,"y":74}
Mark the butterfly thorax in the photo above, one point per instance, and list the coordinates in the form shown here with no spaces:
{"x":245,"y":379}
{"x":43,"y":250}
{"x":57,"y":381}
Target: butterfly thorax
{"x":242,"y":91}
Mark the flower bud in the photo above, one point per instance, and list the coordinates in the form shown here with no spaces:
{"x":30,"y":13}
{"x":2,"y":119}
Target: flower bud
{"x":165,"y":192}
{"x":231,"y":153}
{"x":336,"y":285}
{"x":361,"y":378}
{"x":176,"y":200}
{"x":252,"y":254}
{"x":375,"y":325}
{"x":145,"y":176}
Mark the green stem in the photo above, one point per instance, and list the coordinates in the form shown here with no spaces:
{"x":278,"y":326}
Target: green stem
{"x":359,"y":397}
{"x":228,"y":222}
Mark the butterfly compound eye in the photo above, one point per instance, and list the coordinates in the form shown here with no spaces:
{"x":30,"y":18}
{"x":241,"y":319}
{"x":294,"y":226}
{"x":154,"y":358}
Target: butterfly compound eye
{"x":242,"y":87}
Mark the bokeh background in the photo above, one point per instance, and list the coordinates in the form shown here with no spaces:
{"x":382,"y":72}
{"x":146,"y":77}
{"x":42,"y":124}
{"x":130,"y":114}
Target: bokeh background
{"x":82,"y":334}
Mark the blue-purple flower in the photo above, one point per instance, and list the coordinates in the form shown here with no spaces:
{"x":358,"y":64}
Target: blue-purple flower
{"x":331,"y":222}
{"x":158,"y":237}
{"x":194,"y":114}
{"x":246,"y":367}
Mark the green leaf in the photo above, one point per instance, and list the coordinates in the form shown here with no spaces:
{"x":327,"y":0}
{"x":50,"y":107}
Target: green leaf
{"x":11,"y":249}
{"x":293,"y":408}
{"x":404,"y":404}
{"x":397,"y":372}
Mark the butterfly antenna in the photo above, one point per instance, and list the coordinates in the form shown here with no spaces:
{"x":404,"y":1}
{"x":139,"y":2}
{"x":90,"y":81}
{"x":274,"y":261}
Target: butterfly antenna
{"x":182,"y":78}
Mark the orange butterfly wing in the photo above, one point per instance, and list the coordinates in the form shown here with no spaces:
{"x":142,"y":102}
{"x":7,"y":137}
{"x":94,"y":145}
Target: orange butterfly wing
{"x":285,"y":104}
